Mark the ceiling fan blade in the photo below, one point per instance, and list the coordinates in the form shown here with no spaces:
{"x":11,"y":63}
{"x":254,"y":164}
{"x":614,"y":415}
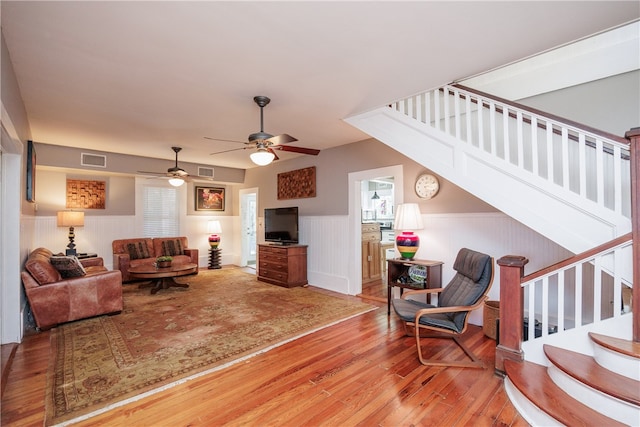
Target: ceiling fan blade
{"x":269,"y":149}
{"x":281,"y":139}
{"x":302,"y":150}
{"x":225,"y":140}
{"x":152,"y":173}
{"x":233,"y":149}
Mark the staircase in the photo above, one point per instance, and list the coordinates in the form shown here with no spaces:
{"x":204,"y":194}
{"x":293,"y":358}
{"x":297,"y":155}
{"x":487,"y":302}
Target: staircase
{"x":575,"y":389}
{"x":571,"y":184}
{"x":525,"y":159}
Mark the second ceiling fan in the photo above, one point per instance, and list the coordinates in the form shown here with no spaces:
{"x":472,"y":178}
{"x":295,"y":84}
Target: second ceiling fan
{"x":264,"y":143}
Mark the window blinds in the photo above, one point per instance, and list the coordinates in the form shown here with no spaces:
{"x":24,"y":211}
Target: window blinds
{"x":161,"y":218}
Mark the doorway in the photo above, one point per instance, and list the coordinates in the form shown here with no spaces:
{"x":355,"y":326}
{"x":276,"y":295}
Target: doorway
{"x":248,"y":225}
{"x":355,"y":217}
{"x":378,"y":211}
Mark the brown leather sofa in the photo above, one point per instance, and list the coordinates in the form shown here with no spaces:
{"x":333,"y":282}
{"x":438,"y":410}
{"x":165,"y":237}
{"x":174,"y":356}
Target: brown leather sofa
{"x":54,"y":299}
{"x":129,"y":253}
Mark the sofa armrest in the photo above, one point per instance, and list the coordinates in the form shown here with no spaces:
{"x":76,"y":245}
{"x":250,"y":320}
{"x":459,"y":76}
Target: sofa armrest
{"x":121,"y":262}
{"x":193,"y":254}
{"x":92,"y":262}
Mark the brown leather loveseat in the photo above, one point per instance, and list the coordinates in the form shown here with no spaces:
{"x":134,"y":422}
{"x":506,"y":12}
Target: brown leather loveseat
{"x":129,"y":253}
{"x":66,"y":291}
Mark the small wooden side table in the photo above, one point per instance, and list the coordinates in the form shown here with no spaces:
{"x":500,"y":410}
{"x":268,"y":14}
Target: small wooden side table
{"x":398,"y":276}
{"x":85,"y":255}
{"x":214,"y":258}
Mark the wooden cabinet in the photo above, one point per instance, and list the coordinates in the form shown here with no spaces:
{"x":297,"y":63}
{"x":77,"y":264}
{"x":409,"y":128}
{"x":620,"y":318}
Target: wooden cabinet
{"x":371,"y":251}
{"x":283,"y":265}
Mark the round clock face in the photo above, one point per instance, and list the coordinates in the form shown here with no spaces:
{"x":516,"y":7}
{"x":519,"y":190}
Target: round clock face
{"x":427,"y":186}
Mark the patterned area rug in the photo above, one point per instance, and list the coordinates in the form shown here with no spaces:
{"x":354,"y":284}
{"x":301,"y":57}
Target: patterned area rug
{"x":159,"y":340}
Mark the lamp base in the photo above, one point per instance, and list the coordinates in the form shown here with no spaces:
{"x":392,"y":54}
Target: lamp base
{"x":407,"y":244}
{"x":214,"y":241}
{"x":71,"y":247}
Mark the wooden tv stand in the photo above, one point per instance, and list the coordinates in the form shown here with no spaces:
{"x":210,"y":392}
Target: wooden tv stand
{"x":284,"y":265}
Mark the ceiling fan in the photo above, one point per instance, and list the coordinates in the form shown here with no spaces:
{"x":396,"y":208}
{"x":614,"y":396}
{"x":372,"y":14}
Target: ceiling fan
{"x":177,"y":176}
{"x":264,"y":143}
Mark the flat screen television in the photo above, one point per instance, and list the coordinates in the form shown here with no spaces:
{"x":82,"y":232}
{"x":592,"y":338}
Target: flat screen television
{"x":281,"y":225}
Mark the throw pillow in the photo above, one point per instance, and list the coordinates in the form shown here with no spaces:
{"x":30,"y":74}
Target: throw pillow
{"x":68,"y":266}
{"x":172,"y":247}
{"x":138,"y":250}
{"x":41,"y":269}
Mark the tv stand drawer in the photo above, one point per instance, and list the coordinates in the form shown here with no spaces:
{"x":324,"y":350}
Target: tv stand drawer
{"x":283,"y":265}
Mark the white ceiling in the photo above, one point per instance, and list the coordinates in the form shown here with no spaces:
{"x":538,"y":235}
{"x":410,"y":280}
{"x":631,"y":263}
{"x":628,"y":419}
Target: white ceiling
{"x":138,"y":77}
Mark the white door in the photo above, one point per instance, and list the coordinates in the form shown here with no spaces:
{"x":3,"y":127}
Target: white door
{"x":248,"y":215}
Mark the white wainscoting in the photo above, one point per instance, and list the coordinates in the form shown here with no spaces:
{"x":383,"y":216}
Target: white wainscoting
{"x":95,"y":236}
{"x":99,"y":231}
{"x":327,"y":265}
{"x":493,"y":233}
{"x":327,"y":252}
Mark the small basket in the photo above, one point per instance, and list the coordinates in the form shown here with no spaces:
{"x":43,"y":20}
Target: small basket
{"x":489,"y":316}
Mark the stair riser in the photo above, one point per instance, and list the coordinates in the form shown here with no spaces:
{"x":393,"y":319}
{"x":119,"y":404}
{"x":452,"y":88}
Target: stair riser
{"x":611,"y":407}
{"x":530,"y":412}
{"x":616,"y":362}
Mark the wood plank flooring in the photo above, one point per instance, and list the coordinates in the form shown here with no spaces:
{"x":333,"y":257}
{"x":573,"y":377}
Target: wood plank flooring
{"x":362,"y":371}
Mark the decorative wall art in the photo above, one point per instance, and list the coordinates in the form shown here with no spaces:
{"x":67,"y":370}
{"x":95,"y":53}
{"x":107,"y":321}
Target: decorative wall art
{"x":82,"y":194}
{"x":297,"y":184}
{"x":31,"y":172}
{"x":209,"y":199}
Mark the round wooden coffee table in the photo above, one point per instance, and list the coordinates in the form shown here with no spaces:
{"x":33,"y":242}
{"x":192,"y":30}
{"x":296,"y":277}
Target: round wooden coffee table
{"x":162,"y":278}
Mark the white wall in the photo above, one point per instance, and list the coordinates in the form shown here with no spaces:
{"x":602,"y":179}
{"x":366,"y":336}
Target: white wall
{"x":99,"y":231}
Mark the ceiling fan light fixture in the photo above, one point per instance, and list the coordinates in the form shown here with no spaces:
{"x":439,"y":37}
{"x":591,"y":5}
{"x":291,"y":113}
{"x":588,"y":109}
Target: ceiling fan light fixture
{"x":262,"y":157}
{"x":176,"y":182}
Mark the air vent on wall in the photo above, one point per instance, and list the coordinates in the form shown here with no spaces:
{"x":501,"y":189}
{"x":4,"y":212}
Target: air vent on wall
{"x":205,"y":172}
{"x":93,"y":160}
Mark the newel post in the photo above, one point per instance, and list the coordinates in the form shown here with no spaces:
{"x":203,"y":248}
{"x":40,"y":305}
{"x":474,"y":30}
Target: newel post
{"x":634,"y":139}
{"x":511,"y":310}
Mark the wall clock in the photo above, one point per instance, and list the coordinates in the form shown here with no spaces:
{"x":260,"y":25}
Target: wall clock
{"x":427,"y":186}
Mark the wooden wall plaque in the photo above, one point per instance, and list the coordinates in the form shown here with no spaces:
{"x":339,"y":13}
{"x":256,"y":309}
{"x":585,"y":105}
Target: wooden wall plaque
{"x":86,"y":194}
{"x":297,"y":184}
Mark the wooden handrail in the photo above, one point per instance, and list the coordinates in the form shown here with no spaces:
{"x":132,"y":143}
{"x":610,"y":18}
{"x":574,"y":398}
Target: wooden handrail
{"x":616,"y":138}
{"x":579,"y":257}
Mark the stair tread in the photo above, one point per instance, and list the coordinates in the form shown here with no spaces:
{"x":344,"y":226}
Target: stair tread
{"x":586,"y":370}
{"x":619,"y":345}
{"x":535,"y":384}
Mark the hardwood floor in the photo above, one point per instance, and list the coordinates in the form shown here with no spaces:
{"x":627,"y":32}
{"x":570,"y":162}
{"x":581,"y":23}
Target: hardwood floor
{"x":362,"y":371}
{"x":376,"y":290}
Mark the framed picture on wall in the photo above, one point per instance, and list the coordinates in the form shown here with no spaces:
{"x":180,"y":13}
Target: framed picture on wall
{"x":31,"y":172}
{"x":209,"y":198}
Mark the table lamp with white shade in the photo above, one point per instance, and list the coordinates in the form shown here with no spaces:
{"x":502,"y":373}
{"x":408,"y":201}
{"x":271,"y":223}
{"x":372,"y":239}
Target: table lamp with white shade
{"x":408,"y":218}
{"x":215,"y":229}
{"x":71,"y":219}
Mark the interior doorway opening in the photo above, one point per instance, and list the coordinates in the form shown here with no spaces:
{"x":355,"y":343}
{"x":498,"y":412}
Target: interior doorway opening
{"x":249,"y":226}
{"x":356,"y":216}
{"x":378,"y":210}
